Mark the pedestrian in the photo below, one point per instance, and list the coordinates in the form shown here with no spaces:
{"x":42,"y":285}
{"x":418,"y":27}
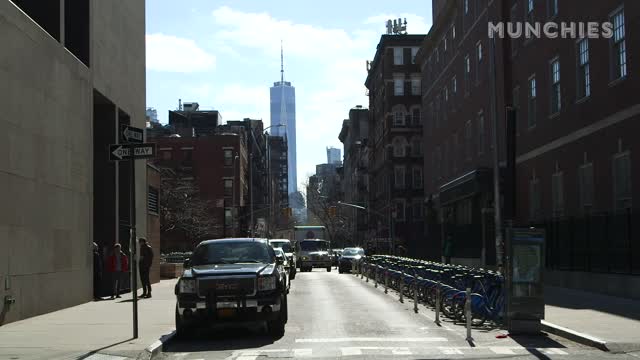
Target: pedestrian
{"x":97,"y":272}
{"x":447,"y":250}
{"x":118,"y":267}
{"x":146,"y":260}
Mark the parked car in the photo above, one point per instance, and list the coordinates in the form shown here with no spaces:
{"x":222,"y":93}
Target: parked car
{"x":280,"y":255}
{"x":289,"y":250}
{"x":228,"y":281}
{"x":349,"y":257}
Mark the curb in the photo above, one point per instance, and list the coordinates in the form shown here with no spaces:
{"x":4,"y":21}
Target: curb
{"x":154,"y":349}
{"x":573,"y":335}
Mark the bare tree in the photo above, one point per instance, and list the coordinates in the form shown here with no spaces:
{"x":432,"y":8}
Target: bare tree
{"x":184,"y":211}
{"x":322,"y":196}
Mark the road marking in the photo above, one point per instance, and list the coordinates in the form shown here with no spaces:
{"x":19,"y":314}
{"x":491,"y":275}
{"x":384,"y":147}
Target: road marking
{"x":502,"y":350}
{"x":400,"y":351}
{"x":553,"y":351}
{"x":350,"y":351}
{"x":243,"y":357}
{"x":181,"y":354}
{"x":450,"y":351}
{"x":297,"y":353}
{"x":367,"y":339}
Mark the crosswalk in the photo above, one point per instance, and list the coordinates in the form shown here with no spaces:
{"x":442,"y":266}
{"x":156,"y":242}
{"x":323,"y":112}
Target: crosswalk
{"x":364,"y":351}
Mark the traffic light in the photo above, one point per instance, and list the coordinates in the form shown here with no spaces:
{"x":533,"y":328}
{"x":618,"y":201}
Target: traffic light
{"x":333,"y":211}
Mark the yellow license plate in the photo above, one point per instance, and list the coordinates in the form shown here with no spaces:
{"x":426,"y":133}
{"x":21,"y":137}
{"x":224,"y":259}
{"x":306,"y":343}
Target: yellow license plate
{"x":225,"y":313}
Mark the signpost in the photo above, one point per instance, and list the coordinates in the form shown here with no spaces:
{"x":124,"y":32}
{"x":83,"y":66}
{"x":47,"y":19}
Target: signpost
{"x":133,"y":148}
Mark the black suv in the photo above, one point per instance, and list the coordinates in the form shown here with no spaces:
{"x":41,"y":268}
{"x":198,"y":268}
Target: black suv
{"x":232,"y":281}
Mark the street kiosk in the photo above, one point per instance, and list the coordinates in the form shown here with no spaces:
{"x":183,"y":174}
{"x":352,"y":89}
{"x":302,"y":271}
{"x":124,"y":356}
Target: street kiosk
{"x":525,"y":287}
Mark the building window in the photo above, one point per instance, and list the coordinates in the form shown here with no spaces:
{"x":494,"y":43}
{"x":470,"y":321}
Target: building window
{"x":479,"y":51}
{"x":534,"y":199}
{"x":399,"y":147}
{"x":398,"y":58}
{"x":444,"y":43}
{"x":622,"y":181}
{"x":228,"y":187}
{"x":584,"y":76}
{"x":399,"y":118}
{"x":532,"y":101}
{"x":553,"y":8}
{"x":529,"y":14}
{"x":153,"y":200}
{"x":454,"y":85}
{"x":417,"y":209}
{"x":585,"y":174}
{"x":481,"y":134}
{"x":414,"y":52}
{"x":453,"y":33}
{"x":466,"y":7}
{"x":556,"y":96}
{"x":398,"y":87}
{"x":467,"y":73}
{"x":618,"y":48}
{"x":468,"y":131}
{"x":415,"y":87}
{"x":398,"y":176}
{"x":417,"y":178}
{"x":228,"y":157}
{"x":228,"y":217}
{"x":400,"y":209}
{"x":417,"y":116}
{"x":557,"y":194}
{"x":416,"y":147}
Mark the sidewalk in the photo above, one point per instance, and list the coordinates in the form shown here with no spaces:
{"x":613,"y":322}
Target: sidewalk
{"x":103,"y":327}
{"x":611,"y":319}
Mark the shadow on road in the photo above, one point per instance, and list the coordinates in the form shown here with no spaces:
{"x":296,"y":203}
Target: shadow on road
{"x":102,"y":348}
{"x":533,"y":343}
{"x":220,"y":340}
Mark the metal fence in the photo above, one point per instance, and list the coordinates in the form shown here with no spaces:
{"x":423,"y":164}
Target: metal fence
{"x":175,"y":257}
{"x":605,"y":243}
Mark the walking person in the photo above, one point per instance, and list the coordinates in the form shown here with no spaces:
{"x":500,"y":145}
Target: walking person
{"x":447,"y":250}
{"x":146,"y":260}
{"x":118,"y":266}
{"x":97,"y":272}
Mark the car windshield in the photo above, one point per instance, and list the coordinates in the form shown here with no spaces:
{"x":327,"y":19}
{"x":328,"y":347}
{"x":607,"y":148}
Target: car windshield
{"x":285,"y":246}
{"x":314,"y":246}
{"x":232,"y":253}
{"x":352,"y":252}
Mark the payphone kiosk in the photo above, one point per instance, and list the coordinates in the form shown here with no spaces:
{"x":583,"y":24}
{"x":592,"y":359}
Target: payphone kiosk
{"x":525,"y":287}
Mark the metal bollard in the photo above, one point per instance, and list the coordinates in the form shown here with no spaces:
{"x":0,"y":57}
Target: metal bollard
{"x":401,"y":287}
{"x":360,"y":271}
{"x":437,"y":321}
{"x":366,"y":273}
{"x":353,"y":267}
{"x":375,"y":276}
{"x":467,"y":313}
{"x":386,"y":281}
{"x":415,"y":296}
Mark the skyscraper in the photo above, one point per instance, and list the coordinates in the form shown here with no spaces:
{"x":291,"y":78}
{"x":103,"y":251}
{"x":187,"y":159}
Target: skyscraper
{"x":334,"y":155}
{"x":283,"y":112}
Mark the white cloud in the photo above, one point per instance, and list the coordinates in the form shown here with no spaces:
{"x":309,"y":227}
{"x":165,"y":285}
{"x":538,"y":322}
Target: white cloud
{"x":240,"y":101}
{"x":173,"y":54}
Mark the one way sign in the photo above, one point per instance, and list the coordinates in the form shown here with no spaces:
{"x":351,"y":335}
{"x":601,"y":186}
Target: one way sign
{"x":119,"y":152}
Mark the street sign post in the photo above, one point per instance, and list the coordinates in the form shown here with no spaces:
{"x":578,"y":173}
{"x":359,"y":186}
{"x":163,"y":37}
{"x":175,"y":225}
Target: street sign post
{"x":118,"y":152}
{"x":132,"y":134}
{"x":132,"y":149}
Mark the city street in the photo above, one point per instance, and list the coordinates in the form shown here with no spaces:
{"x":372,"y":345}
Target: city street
{"x":338,"y":315}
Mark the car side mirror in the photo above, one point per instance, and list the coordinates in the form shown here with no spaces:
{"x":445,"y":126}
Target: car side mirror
{"x":187,"y":263}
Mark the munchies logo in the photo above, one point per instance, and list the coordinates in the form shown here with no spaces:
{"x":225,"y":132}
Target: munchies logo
{"x":551,"y":30}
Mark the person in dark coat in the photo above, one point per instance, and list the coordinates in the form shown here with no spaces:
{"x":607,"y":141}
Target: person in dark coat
{"x":146,"y":260}
{"x":447,"y":250}
{"x":118,"y":266}
{"x":97,"y":272}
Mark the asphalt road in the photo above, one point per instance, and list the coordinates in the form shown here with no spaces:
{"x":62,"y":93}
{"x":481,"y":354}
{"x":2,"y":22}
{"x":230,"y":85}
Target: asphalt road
{"x":335,"y":315}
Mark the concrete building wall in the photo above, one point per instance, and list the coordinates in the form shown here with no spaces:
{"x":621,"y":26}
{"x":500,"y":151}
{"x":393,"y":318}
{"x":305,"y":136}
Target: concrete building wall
{"x":46,"y":163}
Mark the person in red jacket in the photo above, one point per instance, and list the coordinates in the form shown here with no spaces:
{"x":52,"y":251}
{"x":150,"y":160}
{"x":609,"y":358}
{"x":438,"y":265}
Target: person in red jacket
{"x":117,"y":266}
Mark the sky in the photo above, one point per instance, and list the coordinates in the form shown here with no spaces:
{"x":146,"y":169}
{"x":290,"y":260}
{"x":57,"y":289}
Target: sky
{"x":225,"y":55}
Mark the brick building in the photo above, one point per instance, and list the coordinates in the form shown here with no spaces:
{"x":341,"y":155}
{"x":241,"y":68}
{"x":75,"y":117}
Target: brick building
{"x":278,"y":182}
{"x":575,"y":121}
{"x":395,"y":142}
